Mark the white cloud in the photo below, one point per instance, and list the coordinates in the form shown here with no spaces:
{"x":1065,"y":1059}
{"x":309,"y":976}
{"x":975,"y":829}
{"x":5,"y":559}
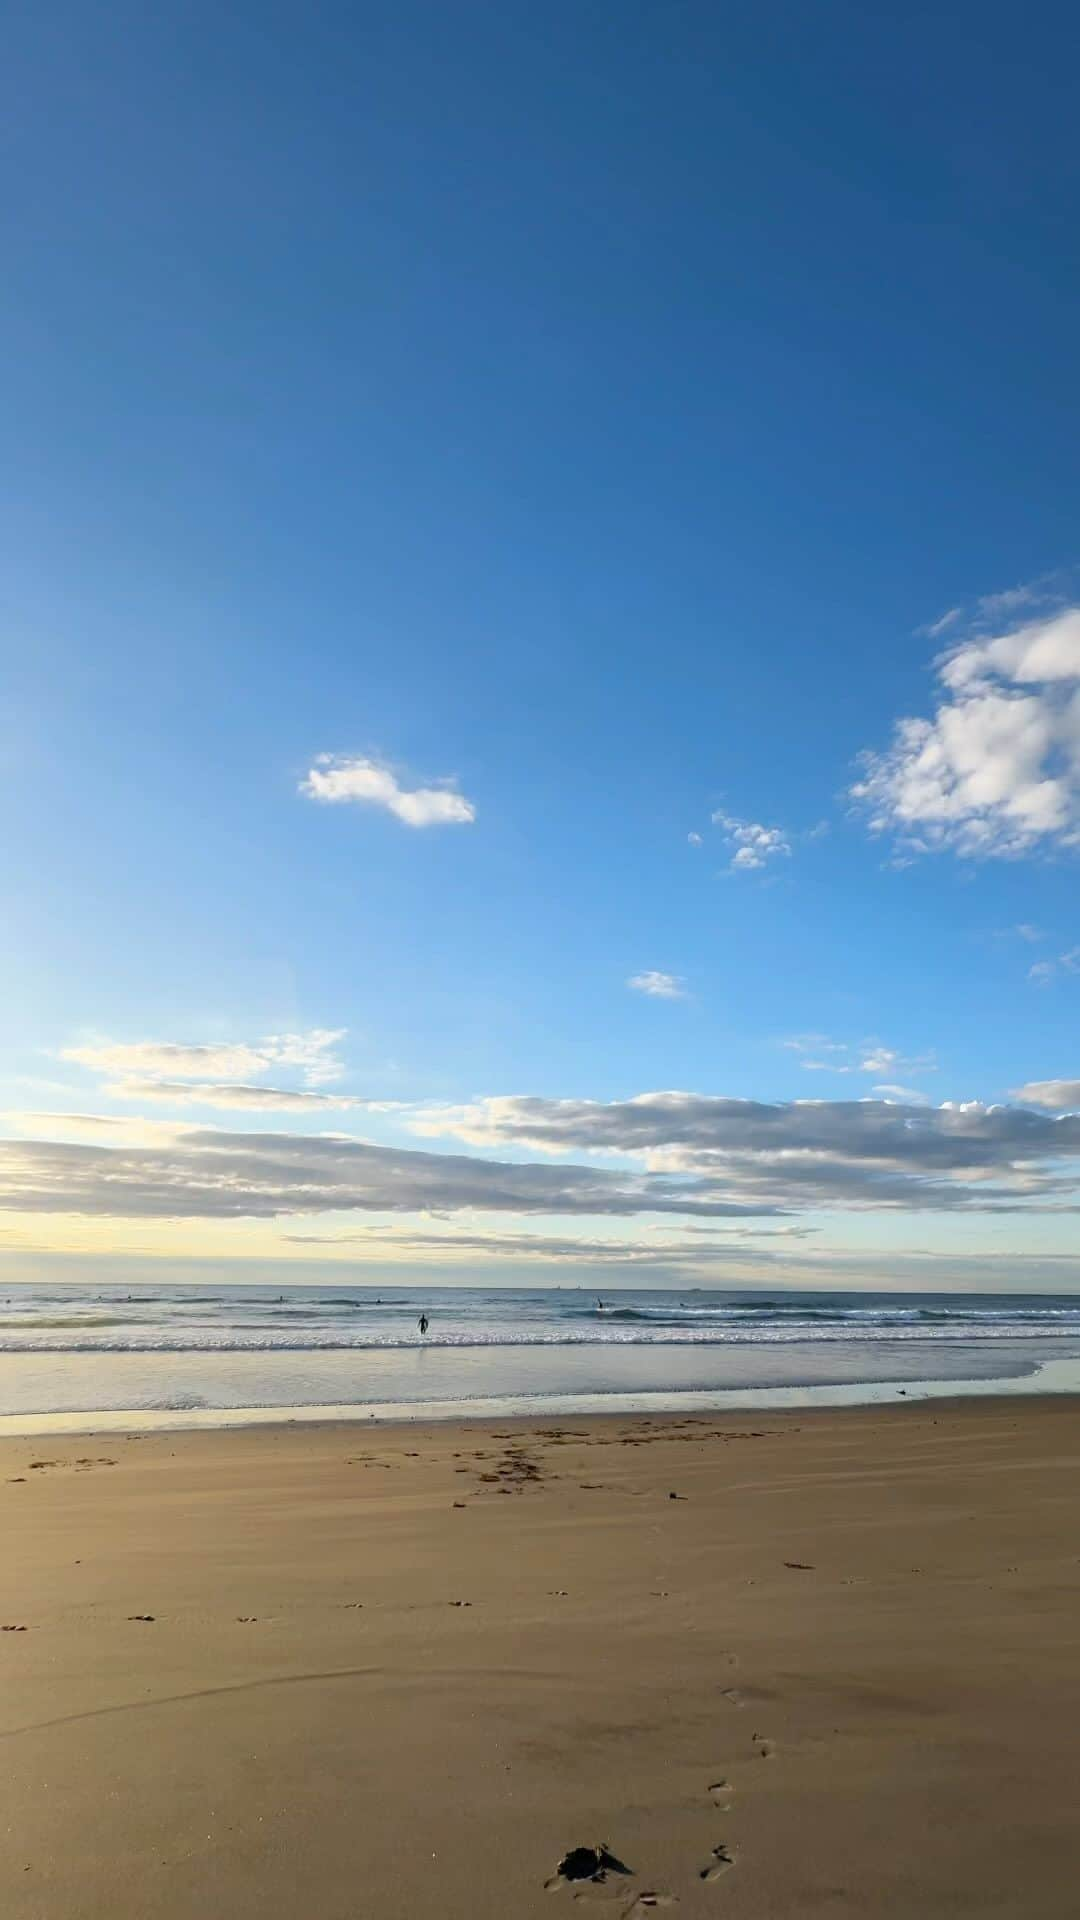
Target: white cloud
{"x":1056,"y":1094}
{"x":371,"y":782}
{"x":662,"y":986}
{"x":752,"y":844}
{"x":908,"y":1096}
{"x":996,"y":770}
{"x":1025,"y":931}
{"x":694,"y":839}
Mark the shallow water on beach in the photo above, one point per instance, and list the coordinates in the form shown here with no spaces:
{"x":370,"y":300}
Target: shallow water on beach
{"x":202,"y":1351}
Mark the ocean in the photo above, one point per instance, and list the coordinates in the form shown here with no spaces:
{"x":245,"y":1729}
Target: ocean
{"x":74,"y":1356}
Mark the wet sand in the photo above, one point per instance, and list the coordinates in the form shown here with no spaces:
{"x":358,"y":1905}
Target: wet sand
{"x":401,"y":1671}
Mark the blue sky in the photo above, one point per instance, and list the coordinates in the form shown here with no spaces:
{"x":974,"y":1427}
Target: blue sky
{"x":621,"y":419}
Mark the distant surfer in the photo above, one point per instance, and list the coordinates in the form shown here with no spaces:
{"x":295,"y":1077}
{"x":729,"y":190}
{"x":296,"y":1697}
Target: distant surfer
{"x":599,"y":1304}
{"x":423,"y":1324}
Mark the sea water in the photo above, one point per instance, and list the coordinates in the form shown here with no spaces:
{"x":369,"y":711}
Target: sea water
{"x":216,"y":1353}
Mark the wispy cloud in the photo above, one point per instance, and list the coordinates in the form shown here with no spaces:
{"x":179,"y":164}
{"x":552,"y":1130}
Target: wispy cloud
{"x":991,"y":607}
{"x":334,"y":780}
{"x":108,"y":1129}
{"x":544,"y":1248}
{"x":1045,"y":592}
{"x":995,"y":772}
{"x":819,"y":1054}
{"x":312,"y":1055}
{"x":937,"y":627}
{"x":1045,"y":971}
{"x":752,"y":845}
{"x":661,"y":986}
{"x":223,"y":1094}
{"x":166,"y":1056}
{"x":878,"y":1059}
{"x":814,"y":1043}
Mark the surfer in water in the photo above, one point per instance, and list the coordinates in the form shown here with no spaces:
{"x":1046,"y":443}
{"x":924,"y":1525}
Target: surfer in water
{"x":423,"y":1324}
{"x":599,"y":1304}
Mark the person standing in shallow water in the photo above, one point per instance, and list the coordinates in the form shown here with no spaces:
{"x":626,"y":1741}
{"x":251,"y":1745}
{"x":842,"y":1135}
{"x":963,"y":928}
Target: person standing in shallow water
{"x":423,"y":1323}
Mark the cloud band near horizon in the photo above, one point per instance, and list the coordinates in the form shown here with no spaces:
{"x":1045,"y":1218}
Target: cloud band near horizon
{"x":689,"y":1155}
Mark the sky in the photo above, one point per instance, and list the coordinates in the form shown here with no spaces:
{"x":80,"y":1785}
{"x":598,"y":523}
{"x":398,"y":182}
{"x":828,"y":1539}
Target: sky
{"x":541,"y":722}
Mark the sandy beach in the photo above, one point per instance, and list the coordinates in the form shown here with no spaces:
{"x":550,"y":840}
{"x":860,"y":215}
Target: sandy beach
{"x":804,"y":1664}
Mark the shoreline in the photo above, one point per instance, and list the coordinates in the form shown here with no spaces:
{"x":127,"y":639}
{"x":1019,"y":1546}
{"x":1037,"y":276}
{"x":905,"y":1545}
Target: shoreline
{"x":1053,"y":1379}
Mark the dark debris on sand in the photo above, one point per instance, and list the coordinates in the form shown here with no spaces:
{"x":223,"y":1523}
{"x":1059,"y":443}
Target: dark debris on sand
{"x":590,"y":1863}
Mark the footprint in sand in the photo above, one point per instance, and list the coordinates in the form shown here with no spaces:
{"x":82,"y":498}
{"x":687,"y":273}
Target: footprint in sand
{"x":721,"y":1791}
{"x":734,"y":1696}
{"x":141,"y":1616}
{"x":648,"y":1902}
{"x":12,"y":1629}
{"x":722,"y":1862}
{"x":766,"y":1748}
